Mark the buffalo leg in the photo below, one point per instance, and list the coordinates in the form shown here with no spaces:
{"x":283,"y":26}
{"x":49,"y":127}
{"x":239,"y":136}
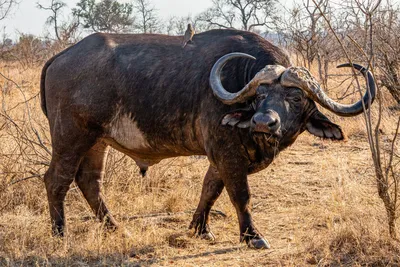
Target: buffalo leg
{"x":239,"y":192}
{"x":88,"y":179}
{"x":212,"y":188}
{"x":57,"y":179}
{"x":70,"y":145}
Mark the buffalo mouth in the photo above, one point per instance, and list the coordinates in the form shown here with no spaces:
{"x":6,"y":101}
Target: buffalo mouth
{"x":266,"y":139}
{"x":260,"y":131}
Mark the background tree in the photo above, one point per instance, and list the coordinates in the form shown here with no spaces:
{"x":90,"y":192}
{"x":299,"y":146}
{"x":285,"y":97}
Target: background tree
{"x":104,"y":16}
{"x":305,"y":32}
{"x":6,"y":6}
{"x":387,"y":48}
{"x":65,"y":31}
{"x":383,"y":149}
{"x":55,"y":7}
{"x":178,"y":25}
{"x":357,"y":20}
{"x":220,"y":15}
{"x":242,"y":14}
{"x":147,"y":18}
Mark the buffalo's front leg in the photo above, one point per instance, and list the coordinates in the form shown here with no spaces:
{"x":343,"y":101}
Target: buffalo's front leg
{"x":212,"y":188}
{"x":236,"y":184}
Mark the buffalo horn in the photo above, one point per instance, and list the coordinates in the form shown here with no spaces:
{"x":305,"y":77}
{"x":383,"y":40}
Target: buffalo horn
{"x":265,"y":76}
{"x":301,"y":78}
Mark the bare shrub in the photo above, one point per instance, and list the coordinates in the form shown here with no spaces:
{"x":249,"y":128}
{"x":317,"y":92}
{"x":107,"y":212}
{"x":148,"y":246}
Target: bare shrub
{"x":387,"y":48}
{"x":30,"y":51}
{"x":385,"y":160}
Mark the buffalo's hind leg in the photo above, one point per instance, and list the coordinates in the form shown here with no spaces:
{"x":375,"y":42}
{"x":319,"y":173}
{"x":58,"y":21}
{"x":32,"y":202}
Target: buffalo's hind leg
{"x":89,"y":178}
{"x":57,"y":179}
{"x":63,"y":168}
{"x":212,"y":188}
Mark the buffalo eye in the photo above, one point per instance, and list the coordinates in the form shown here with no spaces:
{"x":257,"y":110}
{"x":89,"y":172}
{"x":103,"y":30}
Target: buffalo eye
{"x":258,"y":100}
{"x":296,"y":99}
{"x":261,"y":97}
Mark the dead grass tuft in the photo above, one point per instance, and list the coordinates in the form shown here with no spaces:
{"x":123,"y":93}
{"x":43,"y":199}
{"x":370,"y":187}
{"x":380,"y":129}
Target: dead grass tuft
{"x":349,"y":246}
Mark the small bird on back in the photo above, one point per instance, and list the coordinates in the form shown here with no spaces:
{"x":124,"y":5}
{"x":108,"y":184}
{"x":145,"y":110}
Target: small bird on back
{"x":188,"y":35}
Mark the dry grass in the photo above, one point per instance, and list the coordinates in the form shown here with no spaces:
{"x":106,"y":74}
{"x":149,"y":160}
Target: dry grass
{"x":316,"y":204}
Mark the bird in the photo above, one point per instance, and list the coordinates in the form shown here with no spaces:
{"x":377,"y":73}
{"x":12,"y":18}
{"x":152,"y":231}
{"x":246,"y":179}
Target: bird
{"x":188,"y":35}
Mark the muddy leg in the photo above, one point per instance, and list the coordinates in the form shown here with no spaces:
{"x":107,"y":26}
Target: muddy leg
{"x":212,"y":188}
{"x":57,"y":179}
{"x":236,"y":184}
{"x":88,"y":179}
{"x":70,"y":144}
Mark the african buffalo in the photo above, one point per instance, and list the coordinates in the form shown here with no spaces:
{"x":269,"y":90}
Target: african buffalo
{"x":230,"y":95}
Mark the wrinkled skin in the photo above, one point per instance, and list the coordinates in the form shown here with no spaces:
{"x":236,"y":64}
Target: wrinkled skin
{"x":147,"y":97}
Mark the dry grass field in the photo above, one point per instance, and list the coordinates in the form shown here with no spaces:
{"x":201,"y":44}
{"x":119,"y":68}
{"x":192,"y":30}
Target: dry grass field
{"x":316,"y":204}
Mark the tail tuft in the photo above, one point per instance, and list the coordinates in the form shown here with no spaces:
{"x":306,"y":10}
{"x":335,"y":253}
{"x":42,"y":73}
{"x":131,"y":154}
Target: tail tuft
{"x":143,"y":171}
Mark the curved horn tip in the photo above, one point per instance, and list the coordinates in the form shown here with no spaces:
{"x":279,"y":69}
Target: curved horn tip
{"x":353,"y":65}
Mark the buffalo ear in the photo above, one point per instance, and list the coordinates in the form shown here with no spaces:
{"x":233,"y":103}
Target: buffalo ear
{"x":319,"y":125}
{"x":239,"y":118}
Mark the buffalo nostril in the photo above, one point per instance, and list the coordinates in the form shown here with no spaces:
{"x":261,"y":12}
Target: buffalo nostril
{"x":273,"y":122}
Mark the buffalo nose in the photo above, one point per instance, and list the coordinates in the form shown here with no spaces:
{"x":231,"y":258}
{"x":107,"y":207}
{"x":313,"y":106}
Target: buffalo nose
{"x":268,"y":122}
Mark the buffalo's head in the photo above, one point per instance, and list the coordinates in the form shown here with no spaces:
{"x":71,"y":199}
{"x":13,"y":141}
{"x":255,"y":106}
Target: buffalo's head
{"x":281,"y":102}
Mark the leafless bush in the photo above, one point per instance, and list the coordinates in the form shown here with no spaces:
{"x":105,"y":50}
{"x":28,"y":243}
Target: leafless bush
{"x":24,"y":129}
{"x":24,"y":154}
{"x":303,"y":31}
{"x":381,"y":41}
{"x":29,"y":51}
{"x":387,"y":48}
{"x":385,"y":159}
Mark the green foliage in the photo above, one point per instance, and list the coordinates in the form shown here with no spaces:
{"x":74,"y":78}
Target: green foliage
{"x":104,"y":16}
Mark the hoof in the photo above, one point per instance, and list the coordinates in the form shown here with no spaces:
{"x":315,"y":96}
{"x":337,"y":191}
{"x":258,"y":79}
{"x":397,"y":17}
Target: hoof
{"x":143,"y":171}
{"x":208,"y":236}
{"x":258,"y":243}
